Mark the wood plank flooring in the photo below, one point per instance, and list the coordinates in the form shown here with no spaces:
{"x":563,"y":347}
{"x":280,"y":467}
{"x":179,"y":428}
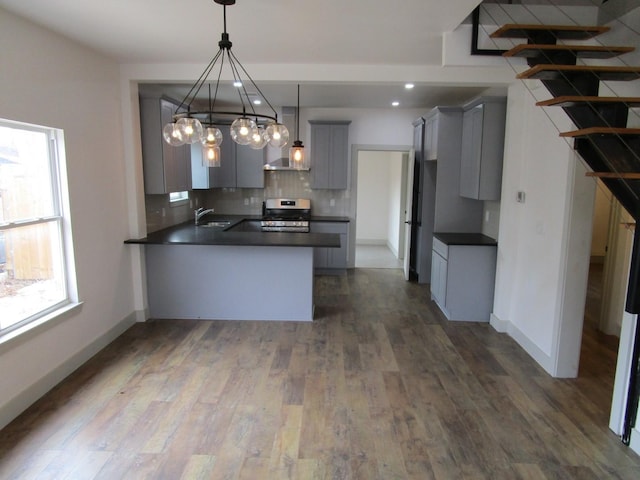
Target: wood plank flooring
{"x":379,"y":386}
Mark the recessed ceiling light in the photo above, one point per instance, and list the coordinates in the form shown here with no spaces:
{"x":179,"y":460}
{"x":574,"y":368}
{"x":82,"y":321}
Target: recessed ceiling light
{"x":257,"y":101}
{"x":237,"y":83}
{"x":409,"y":86}
{"x":395,"y":104}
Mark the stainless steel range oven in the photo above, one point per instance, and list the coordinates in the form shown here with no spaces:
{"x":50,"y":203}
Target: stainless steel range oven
{"x":286,"y":215}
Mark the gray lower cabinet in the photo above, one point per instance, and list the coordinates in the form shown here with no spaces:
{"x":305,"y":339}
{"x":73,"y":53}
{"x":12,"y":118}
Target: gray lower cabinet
{"x":240,"y":166}
{"x":463,"y":280}
{"x":166,"y":169}
{"x":483,"y":148}
{"x":331,"y":259}
{"x":329,"y":154}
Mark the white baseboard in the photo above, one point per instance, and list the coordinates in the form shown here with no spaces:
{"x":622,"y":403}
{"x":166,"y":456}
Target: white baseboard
{"x":497,"y":324}
{"x":393,"y":249}
{"x":504,"y":326}
{"x":141,"y":315}
{"x":27,"y":397}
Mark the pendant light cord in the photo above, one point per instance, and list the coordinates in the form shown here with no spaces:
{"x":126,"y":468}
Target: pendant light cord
{"x":298,"y":116}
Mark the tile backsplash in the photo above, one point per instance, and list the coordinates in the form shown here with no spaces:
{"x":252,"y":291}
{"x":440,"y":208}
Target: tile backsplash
{"x":287,"y":183}
{"x":161,"y":213}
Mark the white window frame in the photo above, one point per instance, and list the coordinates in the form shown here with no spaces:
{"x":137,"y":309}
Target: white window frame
{"x":61,"y":218}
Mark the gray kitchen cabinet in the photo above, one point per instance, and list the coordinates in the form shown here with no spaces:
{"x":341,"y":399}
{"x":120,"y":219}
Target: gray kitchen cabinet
{"x":331,"y":260}
{"x":329,"y":154}
{"x":440,"y":206}
{"x":240,"y":166}
{"x":483,"y":148}
{"x":463,"y":279}
{"x":166,"y":168}
{"x":438,"y":276}
{"x":249,"y":167}
{"x":431,"y":138}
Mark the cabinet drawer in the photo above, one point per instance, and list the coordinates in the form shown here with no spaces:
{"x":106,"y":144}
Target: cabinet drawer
{"x":440,"y":248}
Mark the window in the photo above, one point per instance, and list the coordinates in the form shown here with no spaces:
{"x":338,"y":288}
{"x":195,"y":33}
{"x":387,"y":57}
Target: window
{"x":178,"y":196}
{"x":34,"y":272}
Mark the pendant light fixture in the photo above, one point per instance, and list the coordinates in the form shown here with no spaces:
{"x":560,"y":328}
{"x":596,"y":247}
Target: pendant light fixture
{"x":246,"y":127}
{"x":297,"y":158}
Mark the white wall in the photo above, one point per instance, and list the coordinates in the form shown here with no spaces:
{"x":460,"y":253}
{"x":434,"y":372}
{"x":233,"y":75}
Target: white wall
{"x":396,"y":204}
{"x":51,"y":81}
{"x":372,"y":221}
{"x":378,"y":198}
{"x":531,"y":279}
{"x":600,"y":232}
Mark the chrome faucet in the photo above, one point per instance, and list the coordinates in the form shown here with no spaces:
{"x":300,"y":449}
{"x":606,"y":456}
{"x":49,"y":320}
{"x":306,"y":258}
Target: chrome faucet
{"x":199,"y":213}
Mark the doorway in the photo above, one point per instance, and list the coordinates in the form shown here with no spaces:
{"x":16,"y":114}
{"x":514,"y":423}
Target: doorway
{"x":380,"y":208}
{"x":607,"y":338}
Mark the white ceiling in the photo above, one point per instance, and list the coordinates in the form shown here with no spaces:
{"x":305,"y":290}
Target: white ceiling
{"x":329,"y":32}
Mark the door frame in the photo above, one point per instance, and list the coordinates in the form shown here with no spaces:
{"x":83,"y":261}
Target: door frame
{"x":353,"y":188}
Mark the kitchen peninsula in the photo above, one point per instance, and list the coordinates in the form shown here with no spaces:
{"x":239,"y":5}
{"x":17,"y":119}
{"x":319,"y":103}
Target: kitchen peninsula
{"x":223,"y":272}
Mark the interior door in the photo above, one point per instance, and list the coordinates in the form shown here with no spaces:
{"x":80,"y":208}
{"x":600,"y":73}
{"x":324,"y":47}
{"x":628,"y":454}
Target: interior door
{"x":408,"y":214}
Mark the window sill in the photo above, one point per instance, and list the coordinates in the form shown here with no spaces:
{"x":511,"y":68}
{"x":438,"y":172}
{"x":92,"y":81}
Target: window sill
{"x":31,"y":329}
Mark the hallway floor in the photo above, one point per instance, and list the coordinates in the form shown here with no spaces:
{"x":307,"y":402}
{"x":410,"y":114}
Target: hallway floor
{"x":376,"y":256}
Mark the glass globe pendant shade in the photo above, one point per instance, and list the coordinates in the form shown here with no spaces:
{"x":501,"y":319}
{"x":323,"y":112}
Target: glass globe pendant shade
{"x":212,"y":136}
{"x":242,"y":129}
{"x":296,"y":155}
{"x":258,"y":139}
{"x":277,"y":135}
{"x":172,"y":135}
{"x":191,"y":129}
{"x":210,"y":155}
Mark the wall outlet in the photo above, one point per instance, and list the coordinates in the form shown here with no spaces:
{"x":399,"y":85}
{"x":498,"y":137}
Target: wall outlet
{"x":487,"y":215}
{"x":332,"y":202}
{"x":520,"y":196}
{"x":246,"y":201}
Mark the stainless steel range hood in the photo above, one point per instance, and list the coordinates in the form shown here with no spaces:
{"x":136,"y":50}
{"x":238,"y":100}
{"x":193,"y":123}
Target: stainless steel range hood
{"x":282,"y":163}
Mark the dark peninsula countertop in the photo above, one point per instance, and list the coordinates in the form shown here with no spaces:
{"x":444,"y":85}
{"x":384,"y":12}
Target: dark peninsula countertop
{"x":465,"y":239}
{"x":324,"y":218}
{"x":188,"y":233}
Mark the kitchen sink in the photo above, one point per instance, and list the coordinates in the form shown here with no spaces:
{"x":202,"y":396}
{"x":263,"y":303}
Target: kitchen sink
{"x":216,"y":224}
{"x":247,"y":226}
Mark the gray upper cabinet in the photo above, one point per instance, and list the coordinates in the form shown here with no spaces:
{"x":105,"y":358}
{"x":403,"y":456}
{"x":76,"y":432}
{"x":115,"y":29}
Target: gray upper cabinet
{"x":249,"y":167}
{"x":451,"y":212}
{"x":166,"y":168}
{"x":483,"y":148}
{"x":431,"y":138}
{"x":240,"y":166}
{"x":329,"y":154}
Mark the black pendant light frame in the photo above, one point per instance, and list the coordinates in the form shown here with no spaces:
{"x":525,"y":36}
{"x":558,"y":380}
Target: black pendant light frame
{"x":213,"y":117}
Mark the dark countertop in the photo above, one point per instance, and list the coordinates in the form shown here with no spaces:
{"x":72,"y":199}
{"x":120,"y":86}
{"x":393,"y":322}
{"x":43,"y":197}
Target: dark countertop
{"x":188,"y":234}
{"x":465,"y":239}
{"x":329,"y":219}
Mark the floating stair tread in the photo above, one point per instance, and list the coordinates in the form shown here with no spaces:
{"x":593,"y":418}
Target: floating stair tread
{"x":581,"y":51}
{"x":564,"y":32}
{"x":585,"y":132}
{"x":574,"y":101}
{"x":627,"y":175}
{"x":555,"y":72}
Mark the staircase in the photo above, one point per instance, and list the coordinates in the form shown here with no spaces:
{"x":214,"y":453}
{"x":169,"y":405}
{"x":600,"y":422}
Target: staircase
{"x":601,"y":137}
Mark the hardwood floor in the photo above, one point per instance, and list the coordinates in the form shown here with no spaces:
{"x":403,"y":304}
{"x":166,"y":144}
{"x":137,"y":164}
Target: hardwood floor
{"x":379,"y":386}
